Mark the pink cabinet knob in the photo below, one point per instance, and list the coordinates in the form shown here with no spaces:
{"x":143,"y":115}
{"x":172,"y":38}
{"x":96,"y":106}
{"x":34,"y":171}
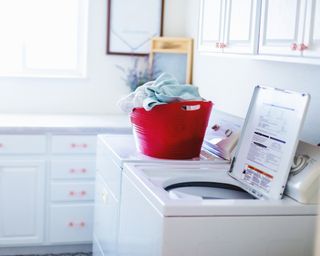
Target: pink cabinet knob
{"x":80,"y":193}
{"x":303,"y":47}
{"x":294,"y":47}
{"x":80,"y":145}
{"x":80,"y":170}
{"x":222,"y":45}
{"x":81,"y":224}
{"x":1,"y":145}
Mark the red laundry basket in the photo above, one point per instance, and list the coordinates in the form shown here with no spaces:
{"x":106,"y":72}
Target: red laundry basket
{"x":173,"y":131}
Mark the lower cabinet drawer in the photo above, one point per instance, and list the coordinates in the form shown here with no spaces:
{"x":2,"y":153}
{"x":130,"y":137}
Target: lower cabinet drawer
{"x":72,"y":191}
{"x":23,"y":144}
{"x":71,"y":223}
{"x":79,"y":168}
{"x":73,"y":144}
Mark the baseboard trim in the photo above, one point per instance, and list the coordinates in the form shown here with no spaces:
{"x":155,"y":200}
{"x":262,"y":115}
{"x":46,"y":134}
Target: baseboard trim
{"x":56,"y":249}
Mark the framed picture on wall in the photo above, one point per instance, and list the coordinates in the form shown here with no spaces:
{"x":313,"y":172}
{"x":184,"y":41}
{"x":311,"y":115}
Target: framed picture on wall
{"x":132,"y":24}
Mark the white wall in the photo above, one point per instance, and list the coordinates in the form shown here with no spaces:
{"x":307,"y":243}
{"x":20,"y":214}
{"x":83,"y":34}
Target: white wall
{"x":175,"y":18}
{"x":103,"y":87}
{"x":229,"y":81}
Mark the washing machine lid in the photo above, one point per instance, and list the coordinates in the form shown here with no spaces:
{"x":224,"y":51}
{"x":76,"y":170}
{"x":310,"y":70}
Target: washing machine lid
{"x":268,"y":141}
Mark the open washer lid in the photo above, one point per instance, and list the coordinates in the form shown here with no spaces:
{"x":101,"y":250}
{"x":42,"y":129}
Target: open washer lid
{"x":268,"y":141}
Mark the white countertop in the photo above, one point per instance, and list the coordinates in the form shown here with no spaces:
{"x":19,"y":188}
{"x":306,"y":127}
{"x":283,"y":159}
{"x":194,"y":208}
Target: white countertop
{"x":23,"y":123}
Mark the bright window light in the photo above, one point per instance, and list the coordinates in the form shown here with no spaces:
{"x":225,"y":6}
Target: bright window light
{"x":43,"y":37}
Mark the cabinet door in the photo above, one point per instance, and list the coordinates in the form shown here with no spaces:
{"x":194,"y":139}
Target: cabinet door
{"x":22,"y":192}
{"x":105,"y":218}
{"x":281,"y":30}
{"x":211,"y":24}
{"x":312,"y":32}
{"x":241,"y":26}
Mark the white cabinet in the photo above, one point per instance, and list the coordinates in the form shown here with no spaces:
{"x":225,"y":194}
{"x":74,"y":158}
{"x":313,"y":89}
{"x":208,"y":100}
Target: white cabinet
{"x":241,"y":26}
{"x":290,"y":28}
{"x":282,"y":25}
{"x":70,"y":223}
{"x":107,"y":202}
{"x":47,"y":175}
{"x":46,"y":189}
{"x":229,"y":26}
{"x":106,"y":218}
{"x":72,"y":191}
{"x":22,"y":144}
{"x":286,"y":30}
{"x":22,"y":186}
{"x":72,"y":173}
{"x":312,"y":33}
{"x":211,"y":25}
{"x":73,"y":144}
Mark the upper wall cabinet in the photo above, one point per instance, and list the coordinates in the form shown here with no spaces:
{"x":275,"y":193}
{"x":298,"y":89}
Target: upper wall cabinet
{"x":312,"y":33}
{"x":211,"y":25}
{"x":229,"y":26}
{"x":286,"y":30}
{"x":281,"y":31}
{"x":290,"y":28}
{"x":241,"y":26}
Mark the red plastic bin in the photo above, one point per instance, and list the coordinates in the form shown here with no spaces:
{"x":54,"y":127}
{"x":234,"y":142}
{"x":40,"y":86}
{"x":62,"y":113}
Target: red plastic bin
{"x":172,"y":131}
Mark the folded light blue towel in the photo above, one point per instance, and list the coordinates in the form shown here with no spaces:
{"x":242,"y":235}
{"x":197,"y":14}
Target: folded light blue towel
{"x":166,"y":89}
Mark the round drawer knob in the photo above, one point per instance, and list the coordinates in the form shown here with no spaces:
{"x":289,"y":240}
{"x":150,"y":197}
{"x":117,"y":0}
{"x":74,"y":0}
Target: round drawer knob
{"x":294,"y":47}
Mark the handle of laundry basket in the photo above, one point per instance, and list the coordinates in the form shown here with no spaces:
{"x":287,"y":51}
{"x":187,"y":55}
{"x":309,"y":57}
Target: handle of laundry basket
{"x":191,"y":107}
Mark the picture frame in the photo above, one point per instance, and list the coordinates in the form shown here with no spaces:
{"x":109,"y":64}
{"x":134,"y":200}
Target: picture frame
{"x":131,"y":24}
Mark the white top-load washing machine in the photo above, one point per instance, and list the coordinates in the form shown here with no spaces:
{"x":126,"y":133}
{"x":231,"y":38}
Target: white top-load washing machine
{"x":219,"y":210}
{"x":175,"y":211}
{"x":113,"y":151}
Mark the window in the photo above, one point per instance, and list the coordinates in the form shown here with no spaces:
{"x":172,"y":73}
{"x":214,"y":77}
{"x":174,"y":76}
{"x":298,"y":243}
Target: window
{"x":43,"y":37}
